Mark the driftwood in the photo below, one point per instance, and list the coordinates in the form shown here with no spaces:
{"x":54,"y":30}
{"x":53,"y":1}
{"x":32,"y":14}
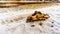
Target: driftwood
{"x":37,"y":16}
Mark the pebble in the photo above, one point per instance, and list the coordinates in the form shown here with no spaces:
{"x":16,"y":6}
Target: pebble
{"x":32,"y":25}
{"x":40,"y":24}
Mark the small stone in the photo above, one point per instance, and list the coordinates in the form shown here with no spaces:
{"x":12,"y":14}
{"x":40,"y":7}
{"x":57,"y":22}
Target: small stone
{"x":40,"y":24}
{"x":32,"y":25}
{"x":52,"y":22}
{"x":52,"y":26}
{"x":11,"y":20}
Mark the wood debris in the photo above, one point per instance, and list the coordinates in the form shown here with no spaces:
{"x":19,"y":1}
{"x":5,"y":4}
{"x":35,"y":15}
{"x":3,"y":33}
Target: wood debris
{"x":37,"y":16}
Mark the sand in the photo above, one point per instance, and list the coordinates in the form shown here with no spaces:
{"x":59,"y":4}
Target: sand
{"x":21,"y":27}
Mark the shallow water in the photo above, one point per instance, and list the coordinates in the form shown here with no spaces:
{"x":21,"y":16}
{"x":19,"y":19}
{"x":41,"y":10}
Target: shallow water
{"x":9,"y":24}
